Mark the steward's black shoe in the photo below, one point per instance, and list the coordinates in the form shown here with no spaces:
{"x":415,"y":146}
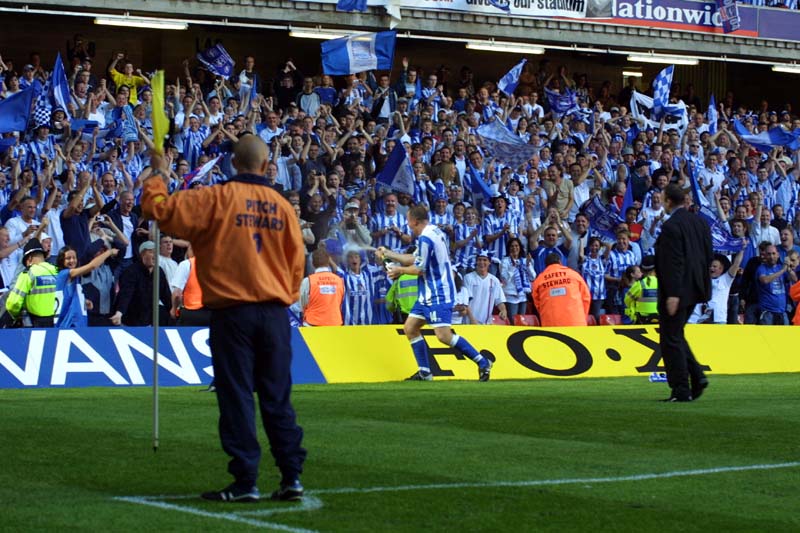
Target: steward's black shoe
{"x":232,"y":493}
{"x":420,"y":376}
{"x":699,"y":387}
{"x":288,"y":493}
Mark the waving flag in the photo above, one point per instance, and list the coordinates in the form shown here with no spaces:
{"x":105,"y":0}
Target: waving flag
{"x":627,"y":200}
{"x":712,"y":115}
{"x":661,"y":87}
{"x":508,"y":83}
{"x":59,"y":87}
{"x":602,"y":218}
{"x":504,"y":145}
{"x":200,"y":172}
{"x":217,"y":60}
{"x":729,"y":13}
{"x":562,"y":103}
{"x":477,"y":185}
{"x":159,"y":117}
{"x":15,"y":110}
{"x":351,"y":5}
{"x":398,"y":172}
{"x":502,"y":5}
{"x":697,"y":193}
{"x":358,"y":53}
{"x":675,"y":114}
{"x":766,"y":140}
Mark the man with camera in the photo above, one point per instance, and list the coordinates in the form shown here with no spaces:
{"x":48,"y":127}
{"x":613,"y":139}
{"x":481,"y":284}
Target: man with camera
{"x":351,"y":229}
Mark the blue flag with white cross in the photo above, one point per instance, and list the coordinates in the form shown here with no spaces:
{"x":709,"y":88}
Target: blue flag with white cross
{"x":661,"y":87}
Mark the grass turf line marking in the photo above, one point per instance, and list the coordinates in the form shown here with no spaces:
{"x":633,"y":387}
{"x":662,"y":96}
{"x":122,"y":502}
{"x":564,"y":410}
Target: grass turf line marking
{"x":311,"y":503}
{"x":566,"y":481}
{"x":233,"y":517}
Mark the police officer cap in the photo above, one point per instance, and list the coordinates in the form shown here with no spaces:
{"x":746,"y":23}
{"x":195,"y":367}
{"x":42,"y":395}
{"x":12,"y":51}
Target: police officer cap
{"x":648,"y":262}
{"x":32,"y":247}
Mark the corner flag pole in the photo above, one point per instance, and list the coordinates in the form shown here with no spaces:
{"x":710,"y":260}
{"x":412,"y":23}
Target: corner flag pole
{"x":156,"y":286}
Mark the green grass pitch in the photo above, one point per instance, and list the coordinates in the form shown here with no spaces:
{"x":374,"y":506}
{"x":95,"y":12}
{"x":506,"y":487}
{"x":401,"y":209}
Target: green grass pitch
{"x":538,"y":455}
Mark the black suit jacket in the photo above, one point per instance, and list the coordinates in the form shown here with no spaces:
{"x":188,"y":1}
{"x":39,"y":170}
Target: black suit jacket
{"x":683,"y":257}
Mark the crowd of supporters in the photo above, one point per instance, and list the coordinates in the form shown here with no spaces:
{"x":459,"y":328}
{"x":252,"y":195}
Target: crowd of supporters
{"x":73,"y":177}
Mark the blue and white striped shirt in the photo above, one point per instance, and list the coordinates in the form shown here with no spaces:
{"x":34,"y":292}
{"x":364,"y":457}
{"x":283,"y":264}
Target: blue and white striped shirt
{"x":594,"y":273}
{"x":357,"y":299}
{"x":493,"y":224}
{"x":432,"y":257}
{"x":619,"y":261}
{"x":466,"y":256}
{"x":390,"y":240}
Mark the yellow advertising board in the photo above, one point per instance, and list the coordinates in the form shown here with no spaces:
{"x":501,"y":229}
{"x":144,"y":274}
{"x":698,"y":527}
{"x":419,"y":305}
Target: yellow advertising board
{"x":382,"y":353}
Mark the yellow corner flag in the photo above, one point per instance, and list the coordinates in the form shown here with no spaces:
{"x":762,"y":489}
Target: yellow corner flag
{"x":159,"y":118}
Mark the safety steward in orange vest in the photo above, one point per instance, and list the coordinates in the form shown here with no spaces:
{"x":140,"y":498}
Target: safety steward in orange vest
{"x":322,"y":293}
{"x":561,"y":295}
{"x":187,"y":296}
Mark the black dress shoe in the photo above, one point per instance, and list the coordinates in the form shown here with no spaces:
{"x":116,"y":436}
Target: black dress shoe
{"x":699,"y":386}
{"x":678,"y":399}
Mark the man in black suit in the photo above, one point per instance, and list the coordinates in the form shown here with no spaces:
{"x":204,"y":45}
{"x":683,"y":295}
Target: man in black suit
{"x":683,"y":258}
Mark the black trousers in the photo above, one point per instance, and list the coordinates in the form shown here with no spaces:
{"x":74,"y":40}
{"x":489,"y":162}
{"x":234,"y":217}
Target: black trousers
{"x":194,"y":317}
{"x":251,"y":351}
{"x":679,"y":361}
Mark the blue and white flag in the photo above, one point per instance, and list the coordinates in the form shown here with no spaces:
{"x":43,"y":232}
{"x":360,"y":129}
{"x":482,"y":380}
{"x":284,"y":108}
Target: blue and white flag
{"x":130,"y":132}
{"x":562,"y":103}
{"x":697,"y":193}
{"x":43,"y":107}
{"x":506,"y":147}
{"x":602,"y":218}
{"x":675,"y":115}
{"x":59,"y":88}
{"x":351,"y":5}
{"x":661,"y":88}
{"x":627,"y":200}
{"x":15,"y":110}
{"x":766,"y":140}
{"x":508,"y":83}
{"x":200,"y":172}
{"x":721,"y":239}
{"x":398,"y":172}
{"x":358,"y":53}
{"x":502,"y":5}
{"x":712,"y":115}
{"x":729,"y":13}
{"x":477,"y":185}
{"x":217,"y":60}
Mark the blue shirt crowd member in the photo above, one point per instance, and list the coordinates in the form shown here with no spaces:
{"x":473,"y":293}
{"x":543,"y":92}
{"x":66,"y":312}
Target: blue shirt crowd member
{"x":431,"y":263}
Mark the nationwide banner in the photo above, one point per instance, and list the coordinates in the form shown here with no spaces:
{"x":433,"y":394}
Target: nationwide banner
{"x":682,"y":15}
{"x":123,"y":357}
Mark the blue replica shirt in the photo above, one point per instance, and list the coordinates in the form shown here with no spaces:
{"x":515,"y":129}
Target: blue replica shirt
{"x":771,"y":296}
{"x":593,"y":271}
{"x":540,"y":254}
{"x":436,"y":286}
{"x":69,"y":295}
{"x":357,"y":299}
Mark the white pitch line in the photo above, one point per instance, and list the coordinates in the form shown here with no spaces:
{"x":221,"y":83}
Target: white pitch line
{"x":221,"y":516}
{"x":308,"y":503}
{"x":311,"y":503}
{"x":566,"y":481}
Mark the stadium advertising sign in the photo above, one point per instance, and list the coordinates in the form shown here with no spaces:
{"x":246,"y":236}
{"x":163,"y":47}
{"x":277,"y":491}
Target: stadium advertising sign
{"x":687,"y":15}
{"x":122,"y":357}
{"x":382,"y":353}
{"x":514,"y":8}
{"x":89,"y":357}
{"x":518,"y":8}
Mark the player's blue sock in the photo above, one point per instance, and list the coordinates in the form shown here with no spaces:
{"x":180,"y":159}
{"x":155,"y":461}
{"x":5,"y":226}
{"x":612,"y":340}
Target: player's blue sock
{"x":421,"y":354}
{"x":461,"y":343}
